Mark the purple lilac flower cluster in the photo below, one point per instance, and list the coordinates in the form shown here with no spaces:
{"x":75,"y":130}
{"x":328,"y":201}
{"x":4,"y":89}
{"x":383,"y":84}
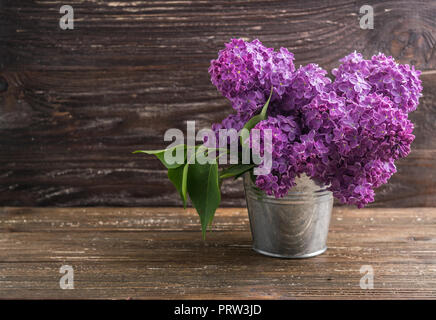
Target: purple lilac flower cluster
{"x":285,"y":161}
{"x":356,"y":77}
{"x":359,"y":143}
{"x":245,"y":72}
{"x":345,"y":133}
{"x":307,"y":82}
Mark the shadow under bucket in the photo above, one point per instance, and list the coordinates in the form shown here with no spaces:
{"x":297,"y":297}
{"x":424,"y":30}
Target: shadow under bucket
{"x":295,"y":226}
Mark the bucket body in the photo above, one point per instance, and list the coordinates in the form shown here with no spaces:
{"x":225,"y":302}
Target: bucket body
{"x":295,"y":226}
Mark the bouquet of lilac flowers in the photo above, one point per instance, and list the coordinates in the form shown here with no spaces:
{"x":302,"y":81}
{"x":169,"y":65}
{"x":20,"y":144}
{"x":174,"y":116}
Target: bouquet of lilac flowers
{"x":344,"y":133}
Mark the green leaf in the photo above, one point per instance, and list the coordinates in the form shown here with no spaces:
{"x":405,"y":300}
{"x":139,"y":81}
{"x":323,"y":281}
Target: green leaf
{"x":185,"y":184}
{"x":200,"y":181}
{"x":204,"y":191}
{"x":160,"y":154}
{"x":250,"y":124}
{"x":235,"y":170}
{"x":178,"y":176}
{"x":265,"y":107}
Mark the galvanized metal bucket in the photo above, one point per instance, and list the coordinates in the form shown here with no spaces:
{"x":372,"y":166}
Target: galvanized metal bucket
{"x":295,"y":226}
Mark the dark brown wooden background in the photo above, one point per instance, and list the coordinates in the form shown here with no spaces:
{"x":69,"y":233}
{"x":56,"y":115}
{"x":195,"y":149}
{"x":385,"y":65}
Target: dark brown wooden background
{"x":79,"y":101}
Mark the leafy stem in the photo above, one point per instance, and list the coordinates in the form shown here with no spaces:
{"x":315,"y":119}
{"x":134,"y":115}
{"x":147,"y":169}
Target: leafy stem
{"x":202,"y":181}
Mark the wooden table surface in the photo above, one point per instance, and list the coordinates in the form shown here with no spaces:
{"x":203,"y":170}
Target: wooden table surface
{"x":149,"y":253}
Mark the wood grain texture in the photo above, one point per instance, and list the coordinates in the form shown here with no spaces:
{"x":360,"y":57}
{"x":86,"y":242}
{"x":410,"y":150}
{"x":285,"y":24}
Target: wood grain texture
{"x":79,"y":101}
{"x":152,"y":253}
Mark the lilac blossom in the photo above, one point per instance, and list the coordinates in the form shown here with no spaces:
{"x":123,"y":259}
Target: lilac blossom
{"x":245,"y":72}
{"x":306,"y":83}
{"x":285,"y":161}
{"x":346,"y":133}
{"x":356,"y":77}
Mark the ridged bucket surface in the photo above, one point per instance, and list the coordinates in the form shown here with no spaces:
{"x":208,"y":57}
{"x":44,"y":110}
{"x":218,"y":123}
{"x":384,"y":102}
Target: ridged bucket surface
{"x":295,"y":226}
